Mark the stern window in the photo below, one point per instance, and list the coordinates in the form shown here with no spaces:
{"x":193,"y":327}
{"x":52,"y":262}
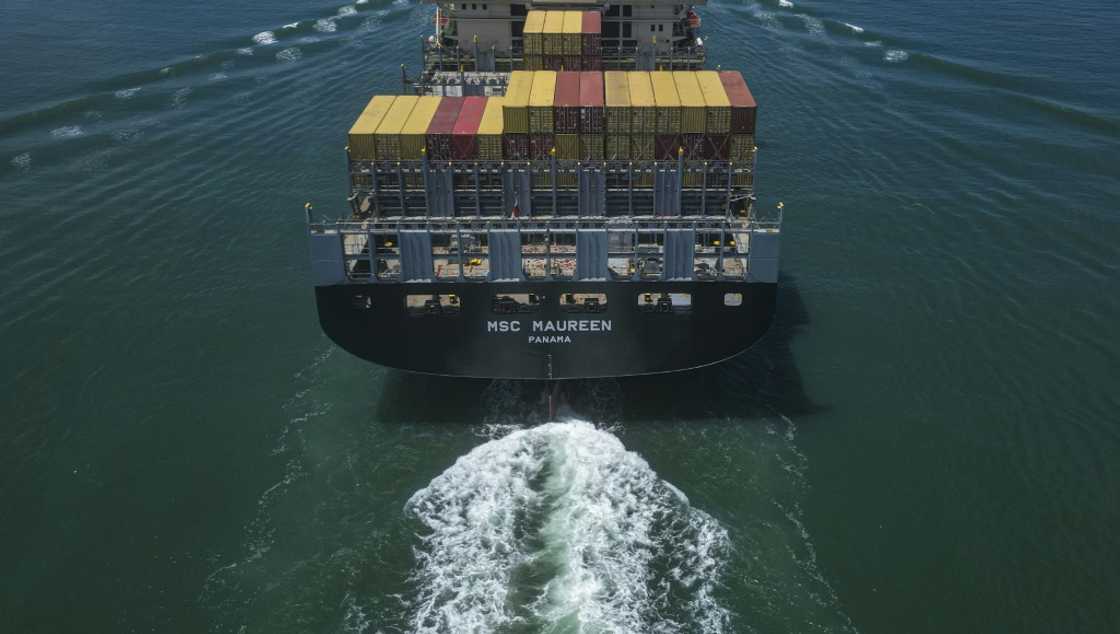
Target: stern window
{"x":732,"y":299}
{"x":433,"y":304}
{"x":583,"y":302}
{"x":658,"y":302}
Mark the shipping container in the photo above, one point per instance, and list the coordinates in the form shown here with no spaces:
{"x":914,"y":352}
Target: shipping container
{"x":464,"y":135}
{"x":567,"y":146}
{"x":643,"y":105}
{"x":666,"y":146}
{"x":415,"y":131}
{"x":741,"y":147}
{"x":554,"y":63}
{"x":388,"y":135}
{"x":591,"y":112}
{"x":533,"y":33}
{"x":693,"y":108}
{"x":571,"y":62}
{"x":540,"y":146}
{"x":554,"y":33}
{"x":516,"y":105}
{"x":540,"y":102}
{"x":744,"y":110}
{"x":591,"y":63}
{"x":362,"y":145}
{"x":668,"y":102}
{"x":534,"y":62}
{"x":642,"y":147}
{"x":718,"y":146}
{"x":592,"y":147}
{"x":515,"y":147}
{"x":618,"y":147}
{"x":715,"y":100}
{"x":617,"y":101}
{"x":490,"y":130}
{"x":592,"y":31}
{"x":442,"y":127}
{"x":572,"y":40}
{"x":695,"y":146}
{"x":567,"y":102}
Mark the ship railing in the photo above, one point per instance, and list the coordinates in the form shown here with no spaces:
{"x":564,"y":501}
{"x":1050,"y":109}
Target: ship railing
{"x":551,"y":187}
{"x":590,"y":249}
{"x":448,"y":70}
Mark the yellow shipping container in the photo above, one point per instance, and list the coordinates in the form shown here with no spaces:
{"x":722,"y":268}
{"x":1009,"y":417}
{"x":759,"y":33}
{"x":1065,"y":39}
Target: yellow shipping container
{"x":693,"y":107}
{"x":617,"y":93}
{"x":490,"y":130}
{"x":388,"y":135}
{"x":516,"y":104}
{"x":715,"y":99}
{"x":643,"y":110}
{"x":533,"y":33}
{"x":362,"y":145}
{"x":541,"y":100}
{"x":573,"y":33}
{"x":667,"y":101}
{"x":414,"y":134}
{"x":554,"y":33}
{"x":567,"y":147}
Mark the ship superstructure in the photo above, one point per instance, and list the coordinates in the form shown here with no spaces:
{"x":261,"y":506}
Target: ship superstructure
{"x":561,"y":191}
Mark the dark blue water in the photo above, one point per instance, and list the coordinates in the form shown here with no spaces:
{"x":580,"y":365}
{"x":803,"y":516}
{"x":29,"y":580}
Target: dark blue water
{"x":927,"y":441}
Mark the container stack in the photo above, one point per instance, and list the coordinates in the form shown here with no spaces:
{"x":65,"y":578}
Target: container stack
{"x":617,"y":110}
{"x":442,"y":127}
{"x":533,"y":37}
{"x":592,"y":115}
{"x":582,"y":115}
{"x":465,"y":134}
{"x":542,"y":126}
{"x":743,"y":115}
{"x":567,"y":104}
{"x":591,"y":34}
{"x":515,"y":115}
{"x":563,"y":40}
{"x":362,"y":146}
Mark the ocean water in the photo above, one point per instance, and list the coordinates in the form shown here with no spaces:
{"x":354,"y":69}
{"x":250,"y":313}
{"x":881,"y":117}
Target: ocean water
{"x":928,"y":440}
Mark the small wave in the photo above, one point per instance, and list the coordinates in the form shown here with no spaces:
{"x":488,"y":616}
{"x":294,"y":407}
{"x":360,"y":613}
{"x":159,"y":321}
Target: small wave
{"x":68,"y":132}
{"x":22,"y":162}
{"x":359,"y":2}
{"x":326,"y":25}
{"x":813,"y":25}
{"x":126,"y":93}
{"x":895,"y":56}
{"x":347,"y":11}
{"x":309,"y":39}
{"x":561,"y":524}
{"x":785,"y":4}
{"x":219,"y":77}
{"x":264,"y":38}
{"x":179,"y":99}
{"x":291,"y":26}
{"x":854,"y":28}
{"x":245,"y":51}
{"x":873,"y":44}
{"x":293,"y":54}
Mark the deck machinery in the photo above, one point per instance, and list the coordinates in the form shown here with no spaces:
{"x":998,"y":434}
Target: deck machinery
{"x":550,"y":265}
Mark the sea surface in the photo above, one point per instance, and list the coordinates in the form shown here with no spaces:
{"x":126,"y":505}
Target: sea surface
{"x":927,"y":441}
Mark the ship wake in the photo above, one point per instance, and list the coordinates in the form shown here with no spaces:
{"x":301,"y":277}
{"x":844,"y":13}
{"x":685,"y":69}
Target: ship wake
{"x":559,"y":526}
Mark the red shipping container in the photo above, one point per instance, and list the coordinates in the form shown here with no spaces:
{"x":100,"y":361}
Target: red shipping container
{"x":744,"y":110}
{"x":464,"y":143}
{"x":665,"y":147}
{"x":540,"y":145}
{"x":591,"y":113}
{"x":591,"y":33}
{"x":566,"y":100}
{"x":441,"y":127}
{"x":515,"y":147}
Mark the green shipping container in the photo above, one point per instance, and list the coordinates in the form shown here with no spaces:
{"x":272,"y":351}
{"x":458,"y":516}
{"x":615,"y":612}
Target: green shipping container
{"x":641,"y":147}
{"x":541,"y":102}
{"x":490,"y":130}
{"x":667,"y":101}
{"x":567,"y":147}
{"x":693,"y":107}
{"x":617,"y":89}
{"x":618,"y":147}
{"x":534,"y":33}
{"x":742,"y":147}
{"x":591,"y":146}
{"x":388,"y":135}
{"x":516,"y":105}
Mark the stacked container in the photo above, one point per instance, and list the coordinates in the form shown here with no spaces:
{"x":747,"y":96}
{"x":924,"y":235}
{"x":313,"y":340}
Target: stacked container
{"x":617,"y":106}
{"x":592,"y":115}
{"x":541,"y":115}
{"x":567,"y":105}
{"x":591,"y":33}
{"x":717,"y":125}
{"x":414,"y":134}
{"x":362,"y":146}
{"x":387,"y":139}
{"x":515,"y":115}
{"x":643,"y":115}
{"x":533,"y":35}
{"x":490,"y":128}
{"x":442,"y":127}
{"x":668,"y":102}
{"x":572,"y":40}
{"x":553,"y":40}
{"x":744,"y":112}
{"x":465,"y":133}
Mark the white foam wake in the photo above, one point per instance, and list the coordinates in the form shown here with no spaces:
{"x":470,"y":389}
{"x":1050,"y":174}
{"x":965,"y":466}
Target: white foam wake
{"x":560,"y":524}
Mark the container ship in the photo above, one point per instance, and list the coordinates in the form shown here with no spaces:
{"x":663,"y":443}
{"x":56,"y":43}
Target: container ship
{"x":562,"y":190}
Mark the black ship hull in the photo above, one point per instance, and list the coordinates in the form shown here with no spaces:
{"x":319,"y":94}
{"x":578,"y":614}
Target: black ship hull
{"x":470,"y":339}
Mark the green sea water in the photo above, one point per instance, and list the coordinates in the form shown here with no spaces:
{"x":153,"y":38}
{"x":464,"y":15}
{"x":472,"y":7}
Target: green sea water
{"x":928,"y":439}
